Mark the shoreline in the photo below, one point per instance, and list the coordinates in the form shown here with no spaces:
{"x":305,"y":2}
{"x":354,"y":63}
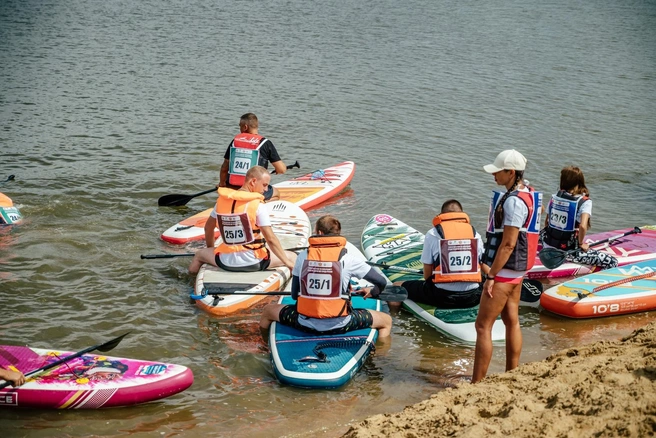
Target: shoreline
{"x":607,"y":388}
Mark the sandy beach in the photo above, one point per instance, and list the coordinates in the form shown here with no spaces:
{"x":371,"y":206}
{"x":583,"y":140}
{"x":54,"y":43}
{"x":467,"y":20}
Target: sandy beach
{"x":605,"y":389}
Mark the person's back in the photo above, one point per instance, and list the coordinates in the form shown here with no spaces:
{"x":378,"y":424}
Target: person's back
{"x":320,"y":284}
{"x":246,"y":150}
{"x":451,"y":258}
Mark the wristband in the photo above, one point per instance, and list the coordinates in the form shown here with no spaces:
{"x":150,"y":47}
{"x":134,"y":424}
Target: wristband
{"x":490,"y":277}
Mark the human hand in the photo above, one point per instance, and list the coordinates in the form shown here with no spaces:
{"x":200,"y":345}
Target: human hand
{"x":488,"y":286}
{"x":16,"y":377}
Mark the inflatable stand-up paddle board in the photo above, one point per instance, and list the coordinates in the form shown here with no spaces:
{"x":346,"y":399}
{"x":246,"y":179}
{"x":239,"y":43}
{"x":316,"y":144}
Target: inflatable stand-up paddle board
{"x":311,"y":360}
{"x":90,"y":381}
{"x":306,"y":191}
{"x":627,"y":250}
{"x":292,"y":227}
{"x":387,"y":240}
{"x":617,"y":291}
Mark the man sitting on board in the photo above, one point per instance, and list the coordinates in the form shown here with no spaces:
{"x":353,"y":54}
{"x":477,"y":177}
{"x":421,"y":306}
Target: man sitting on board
{"x":451,"y":258}
{"x":246,"y":150}
{"x":245,"y":226}
{"x":320,"y":285}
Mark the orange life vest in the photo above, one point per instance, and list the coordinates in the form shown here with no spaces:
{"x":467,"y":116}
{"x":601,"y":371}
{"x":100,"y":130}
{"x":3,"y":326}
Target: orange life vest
{"x":458,"y":260}
{"x":236,"y":216}
{"x":321,"y":294}
{"x":244,"y":154}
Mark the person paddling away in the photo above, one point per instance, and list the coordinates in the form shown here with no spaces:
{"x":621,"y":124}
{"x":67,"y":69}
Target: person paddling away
{"x":568,"y":220}
{"x":324,"y":306}
{"x":246,"y":150}
{"x":245,"y":227}
{"x":510,"y":250}
{"x":451,"y":254}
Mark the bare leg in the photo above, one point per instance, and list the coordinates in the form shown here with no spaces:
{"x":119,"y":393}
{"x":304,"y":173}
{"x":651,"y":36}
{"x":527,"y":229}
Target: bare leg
{"x":276,"y":262}
{"x":488,"y":311}
{"x":383,"y":322}
{"x":203,"y":256}
{"x":510,"y":317}
{"x":270,"y":313}
{"x":395,"y":306}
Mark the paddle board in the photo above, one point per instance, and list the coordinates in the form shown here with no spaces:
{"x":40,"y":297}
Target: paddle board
{"x":298,"y":358}
{"x":9,"y":214}
{"x":617,"y":291}
{"x":386,"y":239}
{"x":306,"y":191}
{"x":292,"y":227}
{"x":90,"y":381}
{"x":628,"y":249}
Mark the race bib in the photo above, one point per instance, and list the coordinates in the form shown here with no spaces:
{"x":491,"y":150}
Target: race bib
{"x":458,"y":256}
{"x":235,"y":229}
{"x":241,"y":160}
{"x":321,"y":279}
{"x":562,"y":214}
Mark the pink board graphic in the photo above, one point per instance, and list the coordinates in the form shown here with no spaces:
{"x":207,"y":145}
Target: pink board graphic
{"x":629,"y":249}
{"x":91,"y":381}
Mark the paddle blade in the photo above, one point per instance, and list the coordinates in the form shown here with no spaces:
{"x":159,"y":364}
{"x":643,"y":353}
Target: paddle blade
{"x":551,"y":258}
{"x":173,"y":200}
{"x":110,"y":345}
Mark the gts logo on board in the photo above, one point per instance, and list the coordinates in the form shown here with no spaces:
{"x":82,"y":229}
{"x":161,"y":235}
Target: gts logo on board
{"x":279,"y":207}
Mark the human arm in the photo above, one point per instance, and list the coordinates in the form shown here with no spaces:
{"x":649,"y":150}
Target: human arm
{"x":279,"y":167}
{"x":296,"y":287}
{"x":16,"y":377}
{"x":223,"y":178}
{"x":275,"y":246}
{"x":583,"y":229}
{"x":210,"y":226}
{"x":379,"y":283}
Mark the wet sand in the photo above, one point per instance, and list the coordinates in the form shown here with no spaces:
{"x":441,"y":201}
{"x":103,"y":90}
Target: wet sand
{"x":603,"y":389}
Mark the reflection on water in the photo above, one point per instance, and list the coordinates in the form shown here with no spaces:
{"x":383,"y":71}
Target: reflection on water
{"x":106,"y":106}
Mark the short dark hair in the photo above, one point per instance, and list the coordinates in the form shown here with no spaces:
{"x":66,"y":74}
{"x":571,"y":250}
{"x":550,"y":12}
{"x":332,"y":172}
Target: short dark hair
{"x":451,"y":206}
{"x":328,"y":225}
{"x":249,"y":119}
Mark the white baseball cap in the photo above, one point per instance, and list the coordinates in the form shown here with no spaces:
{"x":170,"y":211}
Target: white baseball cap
{"x":509,"y":159}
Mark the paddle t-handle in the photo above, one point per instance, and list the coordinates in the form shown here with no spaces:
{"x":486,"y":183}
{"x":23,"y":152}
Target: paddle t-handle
{"x":109,"y":345}
{"x":166,"y":256}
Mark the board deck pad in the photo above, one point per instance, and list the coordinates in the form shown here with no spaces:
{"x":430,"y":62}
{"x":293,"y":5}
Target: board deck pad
{"x":633,"y":289}
{"x":296,"y":355}
{"x":386,"y":239}
{"x":292,"y":228}
{"x":306,"y":191}
{"x":90,"y":381}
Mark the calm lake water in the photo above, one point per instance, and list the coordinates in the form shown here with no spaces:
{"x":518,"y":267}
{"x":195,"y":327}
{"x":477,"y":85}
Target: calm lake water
{"x":107,"y":105}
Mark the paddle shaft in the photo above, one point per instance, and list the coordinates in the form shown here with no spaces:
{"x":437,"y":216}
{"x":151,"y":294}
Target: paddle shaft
{"x":289,"y":166}
{"x":390,"y":293}
{"x":109,"y":345}
{"x":191,"y":254}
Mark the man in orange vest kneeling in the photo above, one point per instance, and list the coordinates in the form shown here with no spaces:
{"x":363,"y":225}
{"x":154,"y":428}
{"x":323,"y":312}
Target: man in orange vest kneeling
{"x":245,"y":226}
{"x":451,"y":258}
{"x":324,"y":306}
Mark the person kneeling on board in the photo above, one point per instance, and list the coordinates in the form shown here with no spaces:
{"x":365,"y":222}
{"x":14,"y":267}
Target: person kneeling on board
{"x":325,"y":306}
{"x":451,"y":255}
{"x":245,"y":227}
{"x":568,"y":220}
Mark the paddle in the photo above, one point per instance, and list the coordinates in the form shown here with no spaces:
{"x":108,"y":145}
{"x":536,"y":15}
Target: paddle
{"x":109,"y":345}
{"x":191,"y":254}
{"x":177,"y":200}
{"x":9,"y":178}
{"x":390,"y":293}
{"x":531,"y":289}
{"x":551,"y":258}
{"x":289,"y":166}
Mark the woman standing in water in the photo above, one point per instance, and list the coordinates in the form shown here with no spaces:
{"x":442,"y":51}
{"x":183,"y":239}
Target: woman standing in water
{"x":510,"y":250}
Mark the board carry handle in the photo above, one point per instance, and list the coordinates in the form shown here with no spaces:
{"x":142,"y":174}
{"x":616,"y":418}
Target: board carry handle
{"x":107,"y":346}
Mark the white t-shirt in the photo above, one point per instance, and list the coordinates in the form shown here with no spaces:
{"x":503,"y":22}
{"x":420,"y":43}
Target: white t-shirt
{"x":351,"y":267}
{"x":245,"y":258}
{"x":431,"y":252}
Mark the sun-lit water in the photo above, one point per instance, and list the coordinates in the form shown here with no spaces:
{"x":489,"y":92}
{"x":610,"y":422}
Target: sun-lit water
{"x":105,"y":106}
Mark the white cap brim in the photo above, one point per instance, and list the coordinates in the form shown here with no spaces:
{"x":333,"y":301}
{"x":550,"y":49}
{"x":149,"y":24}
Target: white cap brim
{"x":491,"y":168}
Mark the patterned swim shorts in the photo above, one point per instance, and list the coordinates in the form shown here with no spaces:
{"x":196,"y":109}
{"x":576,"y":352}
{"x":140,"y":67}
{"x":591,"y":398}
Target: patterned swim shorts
{"x":360,"y":319}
